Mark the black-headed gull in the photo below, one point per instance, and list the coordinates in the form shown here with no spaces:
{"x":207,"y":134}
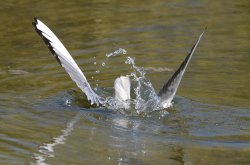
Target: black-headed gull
{"x":121,"y":85}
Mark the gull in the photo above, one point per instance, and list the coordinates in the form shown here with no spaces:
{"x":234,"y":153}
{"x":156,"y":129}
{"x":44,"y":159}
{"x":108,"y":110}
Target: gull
{"x":121,"y":85}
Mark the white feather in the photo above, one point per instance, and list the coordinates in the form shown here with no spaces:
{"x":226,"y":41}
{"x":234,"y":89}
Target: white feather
{"x":66,"y":61}
{"x":121,"y":84}
{"x":122,"y":90}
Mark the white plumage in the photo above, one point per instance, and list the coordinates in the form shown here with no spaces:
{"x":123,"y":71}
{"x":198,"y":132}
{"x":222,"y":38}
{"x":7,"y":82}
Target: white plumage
{"x":65,"y":59}
{"x":122,"y":90}
{"x":122,"y":84}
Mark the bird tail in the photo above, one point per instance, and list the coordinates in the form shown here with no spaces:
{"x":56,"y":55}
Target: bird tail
{"x":122,"y":90}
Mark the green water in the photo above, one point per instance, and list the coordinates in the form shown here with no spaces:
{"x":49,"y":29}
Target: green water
{"x":210,"y":120}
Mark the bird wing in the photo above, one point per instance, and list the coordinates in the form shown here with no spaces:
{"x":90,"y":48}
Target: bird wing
{"x":66,"y":61}
{"x":169,"y":89}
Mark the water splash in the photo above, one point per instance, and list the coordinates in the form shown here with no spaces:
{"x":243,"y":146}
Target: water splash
{"x":103,"y":64}
{"x":68,"y":102}
{"x":146,"y":97}
{"x":116,"y":52}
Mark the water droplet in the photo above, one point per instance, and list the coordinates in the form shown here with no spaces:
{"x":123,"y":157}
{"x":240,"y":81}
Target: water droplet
{"x":68,"y":103}
{"x":117,"y":52}
{"x":124,"y":51}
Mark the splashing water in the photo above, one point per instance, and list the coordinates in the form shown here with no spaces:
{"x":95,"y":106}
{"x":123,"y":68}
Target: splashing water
{"x":117,"y":52}
{"x":146,"y":99}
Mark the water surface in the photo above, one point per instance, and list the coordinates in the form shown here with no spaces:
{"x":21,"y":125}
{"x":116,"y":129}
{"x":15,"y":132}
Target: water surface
{"x":46,"y":119}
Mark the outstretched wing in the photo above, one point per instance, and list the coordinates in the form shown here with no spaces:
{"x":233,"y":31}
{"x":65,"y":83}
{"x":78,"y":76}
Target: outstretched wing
{"x":66,"y":61}
{"x":168,"y":91}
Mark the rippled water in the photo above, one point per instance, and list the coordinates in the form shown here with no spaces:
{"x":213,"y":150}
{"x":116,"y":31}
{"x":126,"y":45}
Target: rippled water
{"x":45,"y":119}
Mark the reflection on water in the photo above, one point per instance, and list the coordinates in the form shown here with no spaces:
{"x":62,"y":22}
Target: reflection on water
{"x":210,"y":125}
{"x":47,"y":149}
{"x":190,"y":127}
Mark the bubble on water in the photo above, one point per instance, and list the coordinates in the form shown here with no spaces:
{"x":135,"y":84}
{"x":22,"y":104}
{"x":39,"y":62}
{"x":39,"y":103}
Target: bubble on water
{"x":95,"y":63}
{"x":97,"y":71}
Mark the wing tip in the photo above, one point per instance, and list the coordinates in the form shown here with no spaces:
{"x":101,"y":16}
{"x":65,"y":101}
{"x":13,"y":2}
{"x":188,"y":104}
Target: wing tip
{"x":46,"y":41}
{"x":96,"y":100}
{"x":167,"y":87}
{"x":205,"y":29}
{"x":34,"y":22}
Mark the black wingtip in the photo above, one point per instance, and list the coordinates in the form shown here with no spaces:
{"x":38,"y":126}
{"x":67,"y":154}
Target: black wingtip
{"x":46,"y":41}
{"x":34,"y":22}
